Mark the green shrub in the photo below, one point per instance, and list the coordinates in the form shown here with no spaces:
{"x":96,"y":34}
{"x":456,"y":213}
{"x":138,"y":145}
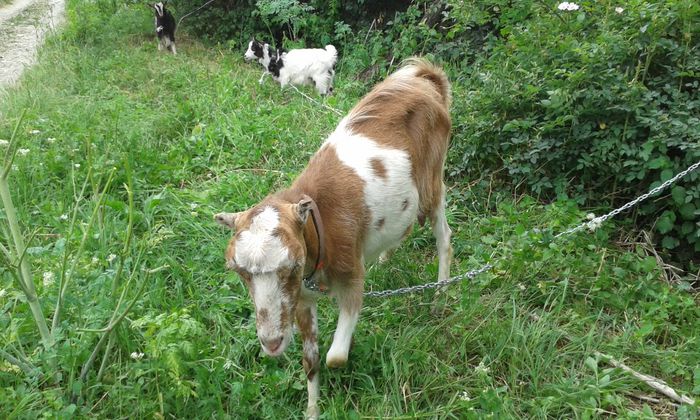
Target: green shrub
{"x":595,"y":104}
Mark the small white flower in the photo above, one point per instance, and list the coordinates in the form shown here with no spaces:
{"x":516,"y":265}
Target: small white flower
{"x":111,"y":257}
{"x":194,"y":214}
{"x":3,"y":292}
{"x":63,"y":217}
{"x":136,"y":355}
{"x":51,"y":140}
{"x":568,"y":6}
{"x":521,"y":286}
{"x":590,"y":216}
{"x":23,"y":152}
{"x":4,"y":143}
{"x":35,"y":132}
{"x":619,"y":10}
{"x":15,"y":167}
{"x":481,"y":368}
{"x":194,"y":206}
{"x":594,"y":224}
{"x":464,"y":396}
{"x":48,"y":278}
{"x":94,"y":260}
{"x":76,"y":165}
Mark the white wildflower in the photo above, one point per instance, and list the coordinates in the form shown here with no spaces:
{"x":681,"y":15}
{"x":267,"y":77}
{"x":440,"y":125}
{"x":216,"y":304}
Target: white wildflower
{"x":590,"y":216}
{"x":110,"y":258}
{"x":51,"y":140}
{"x":194,"y":206}
{"x":619,"y":10}
{"x":568,"y":6}
{"x":63,"y":217}
{"x":23,"y":152}
{"x":194,"y":214}
{"x":136,"y":355}
{"x":76,"y":165}
{"x":3,"y":292}
{"x":521,"y":286}
{"x":94,"y":260}
{"x":594,"y":224}
{"x":464,"y":396}
{"x":4,"y":143}
{"x":48,"y":278}
{"x":481,"y":368}
{"x":35,"y":132}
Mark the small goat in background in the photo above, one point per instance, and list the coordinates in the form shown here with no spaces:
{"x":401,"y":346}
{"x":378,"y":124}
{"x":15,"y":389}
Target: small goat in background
{"x":304,"y":66}
{"x":165,"y":28}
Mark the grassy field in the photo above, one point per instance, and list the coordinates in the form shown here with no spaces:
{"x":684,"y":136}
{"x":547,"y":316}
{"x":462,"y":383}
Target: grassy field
{"x":194,"y":134}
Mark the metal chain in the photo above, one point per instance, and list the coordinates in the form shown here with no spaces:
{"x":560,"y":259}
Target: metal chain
{"x":591,"y":225}
{"x":421,"y":287}
{"x":597,"y":221}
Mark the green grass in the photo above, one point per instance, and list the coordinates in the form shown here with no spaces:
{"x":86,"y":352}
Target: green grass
{"x":195,"y":134}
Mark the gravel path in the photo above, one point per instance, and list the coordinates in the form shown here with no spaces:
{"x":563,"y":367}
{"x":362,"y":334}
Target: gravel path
{"x":23,"y":26}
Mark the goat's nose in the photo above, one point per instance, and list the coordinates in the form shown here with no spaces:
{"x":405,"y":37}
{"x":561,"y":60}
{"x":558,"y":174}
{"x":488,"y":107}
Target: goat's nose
{"x":272,"y":344}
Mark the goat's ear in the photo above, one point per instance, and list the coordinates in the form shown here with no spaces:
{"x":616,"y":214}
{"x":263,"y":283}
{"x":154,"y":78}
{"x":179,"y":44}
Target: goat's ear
{"x":303,"y":208}
{"x":227,"y":219}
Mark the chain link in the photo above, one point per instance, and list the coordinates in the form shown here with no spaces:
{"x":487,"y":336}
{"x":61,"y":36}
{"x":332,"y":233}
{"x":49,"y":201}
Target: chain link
{"x":591,"y":225}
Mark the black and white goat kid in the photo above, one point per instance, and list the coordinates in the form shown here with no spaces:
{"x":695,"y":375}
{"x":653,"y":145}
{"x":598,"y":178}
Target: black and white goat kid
{"x":165,"y":28}
{"x":304,"y":66}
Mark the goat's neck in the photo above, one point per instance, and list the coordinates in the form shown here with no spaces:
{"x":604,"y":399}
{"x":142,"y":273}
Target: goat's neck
{"x":265,"y":60}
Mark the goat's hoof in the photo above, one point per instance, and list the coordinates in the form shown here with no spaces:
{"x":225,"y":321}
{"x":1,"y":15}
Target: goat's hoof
{"x":335,"y":362}
{"x":312,"y":412}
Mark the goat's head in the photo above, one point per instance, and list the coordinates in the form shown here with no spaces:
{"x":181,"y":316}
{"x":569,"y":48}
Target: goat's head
{"x":160,"y":9}
{"x":255,"y":51}
{"x":268,"y":252}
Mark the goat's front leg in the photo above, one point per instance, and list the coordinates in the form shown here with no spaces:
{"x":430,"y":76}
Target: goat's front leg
{"x":308,"y":326}
{"x":350,"y":302}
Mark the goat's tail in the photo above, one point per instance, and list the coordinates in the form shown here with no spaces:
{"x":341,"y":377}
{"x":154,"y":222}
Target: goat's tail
{"x":332,"y":52}
{"x":426,"y":70}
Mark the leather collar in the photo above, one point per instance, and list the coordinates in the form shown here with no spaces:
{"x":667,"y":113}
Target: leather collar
{"x":311,"y":281}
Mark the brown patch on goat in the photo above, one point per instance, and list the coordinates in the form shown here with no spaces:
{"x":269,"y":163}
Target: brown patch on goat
{"x":380,"y":224}
{"x":263,"y":315}
{"x":308,"y":331}
{"x":378,"y":168}
{"x":340,"y":200}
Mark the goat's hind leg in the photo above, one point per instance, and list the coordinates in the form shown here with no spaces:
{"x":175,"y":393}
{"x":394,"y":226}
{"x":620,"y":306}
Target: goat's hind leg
{"x":350,"y":302}
{"x":308,"y":326}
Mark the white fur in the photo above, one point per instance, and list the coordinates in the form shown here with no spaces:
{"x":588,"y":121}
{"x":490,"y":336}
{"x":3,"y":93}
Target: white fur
{"x":342,"y":338}
{"x":384,"y":197}
{"x":304,"y":66}
{"x":268,"y":295}
{"x":262,"y":254}
{"x":309,"y":66}
{"x":257,"y":250}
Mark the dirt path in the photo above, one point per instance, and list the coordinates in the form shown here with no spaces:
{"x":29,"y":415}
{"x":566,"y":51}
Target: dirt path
{"x":23,"y":26}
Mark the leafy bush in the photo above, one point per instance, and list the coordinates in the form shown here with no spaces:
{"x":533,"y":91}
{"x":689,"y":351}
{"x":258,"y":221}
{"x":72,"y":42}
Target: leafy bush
{"x":597,"y":104}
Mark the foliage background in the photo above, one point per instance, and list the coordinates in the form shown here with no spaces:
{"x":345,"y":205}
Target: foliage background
{"x":594,"y":105}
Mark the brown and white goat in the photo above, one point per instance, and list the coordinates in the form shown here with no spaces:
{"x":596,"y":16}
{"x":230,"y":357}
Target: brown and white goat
{"x":373,"y":177}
